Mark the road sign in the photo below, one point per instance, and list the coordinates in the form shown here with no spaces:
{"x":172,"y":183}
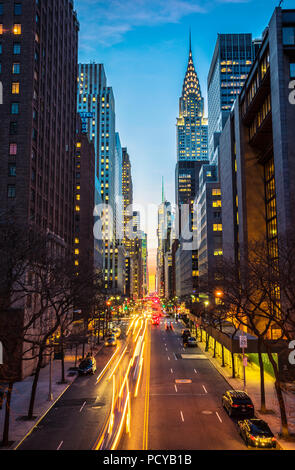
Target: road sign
{"x":243,"y":341}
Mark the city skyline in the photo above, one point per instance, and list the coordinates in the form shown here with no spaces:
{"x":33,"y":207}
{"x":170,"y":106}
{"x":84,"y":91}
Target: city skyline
{"x":145,"y":44}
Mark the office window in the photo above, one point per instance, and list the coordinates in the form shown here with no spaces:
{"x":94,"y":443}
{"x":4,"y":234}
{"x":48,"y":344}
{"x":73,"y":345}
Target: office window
{"x":0,"y":47}
{"x":289,"y":36}
{"x":11,"y":191}
{"x":13,"y":128}
{"x":292,"y":70}
{"x":1,"y":28}
{"x":11,"y":169}
{"x":14,"y":108}
{"x":16,"y":68}
{"x":16,"y":48}
{"x":17,"y":9}
{"x":17,"y":29}
{"x":1,"y":8}
{"x":12,"y":149}
{"x":15,"y":88}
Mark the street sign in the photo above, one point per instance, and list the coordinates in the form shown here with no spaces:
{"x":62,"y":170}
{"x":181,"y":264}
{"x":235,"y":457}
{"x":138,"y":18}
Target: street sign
{"x":243,"y":341}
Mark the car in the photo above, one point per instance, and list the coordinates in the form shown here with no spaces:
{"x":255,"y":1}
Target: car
{"x":185,"y":333}
{"x":155,"y":321}
{"x":190,"y":342}
{"x":111,"y":341}
{"x":238,"y":403}
{"x":256,"y":433}
{"x":116,"y":331}
{"x":87,"y":366}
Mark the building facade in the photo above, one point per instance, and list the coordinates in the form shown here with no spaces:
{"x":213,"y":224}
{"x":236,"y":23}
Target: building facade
{"x":39,"y":42}
{"x":257,"y":155}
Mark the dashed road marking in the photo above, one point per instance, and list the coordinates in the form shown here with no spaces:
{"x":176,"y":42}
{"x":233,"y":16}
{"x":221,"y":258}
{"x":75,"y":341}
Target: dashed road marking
{"x":217,"y":414}
{"x":205,"y":390}
{"x":60,"y":445}
{"x":82,"y":406}
{"x":181,"y":414}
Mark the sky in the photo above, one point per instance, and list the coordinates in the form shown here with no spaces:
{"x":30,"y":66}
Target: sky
{"x":144,"y":46}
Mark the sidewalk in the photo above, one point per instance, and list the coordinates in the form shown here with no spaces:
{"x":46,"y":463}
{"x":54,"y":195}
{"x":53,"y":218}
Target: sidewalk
{"x":253,"y":389}
{"x":21,"y":396}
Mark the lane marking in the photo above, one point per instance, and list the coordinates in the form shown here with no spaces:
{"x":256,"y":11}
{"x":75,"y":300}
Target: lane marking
{"x":60,"y":445}
{"x":82,"y":406}
{"x":175,"y":357}
{"x":175,"y":388}
{"x":182,"y":418}
{"x":171,"y":371}
{"x":168,"y":358}
{"x":195,"y":371}
{"x":204,"y":388}
{"x":218,"y":417}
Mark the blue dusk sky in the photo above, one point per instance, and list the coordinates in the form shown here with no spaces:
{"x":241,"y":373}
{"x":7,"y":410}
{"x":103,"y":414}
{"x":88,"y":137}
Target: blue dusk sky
{"x":143,"y":45}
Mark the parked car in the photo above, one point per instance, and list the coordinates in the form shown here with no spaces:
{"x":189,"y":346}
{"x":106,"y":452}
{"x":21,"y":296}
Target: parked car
{"x":238,"y":403}
{"x":190,"y":342}
{"x":111,"y":341}
{"x":116,"y":331}
{"x":256,"y":433}
{"x":87,"y":366}
{"x":185,"y":333}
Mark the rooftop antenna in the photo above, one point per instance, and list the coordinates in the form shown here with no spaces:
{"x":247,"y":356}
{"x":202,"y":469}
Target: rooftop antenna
{"x":190,"y":39}
{"x":281,"y":1}
{"x":163,"y":196}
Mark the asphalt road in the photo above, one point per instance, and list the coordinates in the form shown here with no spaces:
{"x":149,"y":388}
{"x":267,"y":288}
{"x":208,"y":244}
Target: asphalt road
{"x":74,"y":422}
{"x":179,"y":416}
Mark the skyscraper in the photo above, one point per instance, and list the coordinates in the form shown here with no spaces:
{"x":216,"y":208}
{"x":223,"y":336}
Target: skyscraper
{"x":96,"y":106}
{"x":38,"y":122}
{"x":232,"y":59}
{"x":192,"y":153}
{"x":192,"y":130}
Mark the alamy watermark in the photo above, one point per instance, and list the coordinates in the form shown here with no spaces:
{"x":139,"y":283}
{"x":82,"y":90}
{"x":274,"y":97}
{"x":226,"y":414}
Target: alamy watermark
{"x":171,"y":220}
{"x":292,"y":353}
{"x":1,"y":353}
{"x":292,"y":93}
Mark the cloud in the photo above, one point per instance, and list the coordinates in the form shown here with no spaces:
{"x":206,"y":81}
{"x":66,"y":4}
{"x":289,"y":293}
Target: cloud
{"x":107,"y":21}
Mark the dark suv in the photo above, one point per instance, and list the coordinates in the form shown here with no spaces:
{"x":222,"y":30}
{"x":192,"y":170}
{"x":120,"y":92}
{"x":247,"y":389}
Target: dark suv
{"x":238,"y":403}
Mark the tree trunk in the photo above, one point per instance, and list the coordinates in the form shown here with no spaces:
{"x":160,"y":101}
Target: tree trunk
{"x":262,"y":384}
{"x":222,"y":356}
{"x":35,"y":383}
{"x":280,"y":397}
{"x":207,"y":341}
{"x":62,"y":359}
{"x":233,"y":365}
{"x":5,"y":439}
{"x":214,"y":351}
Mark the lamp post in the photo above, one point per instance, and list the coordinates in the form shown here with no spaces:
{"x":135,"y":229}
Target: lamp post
{"x":50,"y":394}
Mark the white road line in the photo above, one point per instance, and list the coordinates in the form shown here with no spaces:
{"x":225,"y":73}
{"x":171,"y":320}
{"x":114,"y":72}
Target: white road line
{"x":181,"y":414}
{"x":175,"y":356}
{"x":195,"y":371}
{"x":204,"y":388}
{"x":218,"y":417}
{"x":171,"y":371}
{"x":175,"y":388}
{"x":60,"y":445}
{"x":168,"y":358}
{"x":82,"y":406}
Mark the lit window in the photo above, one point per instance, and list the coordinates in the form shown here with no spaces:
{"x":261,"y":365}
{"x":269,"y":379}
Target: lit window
{"x":15,"y":88}
{"x":1,"y":28}
{"x":14,"y":108}
{"x":77,"y":241}
{"x":17,"y":29}
{"x":78,"y":197}
{"x":16,"y":68}
{"x":77,"y":208}
{"x":77,"y":251}
{"x":12,"y":149}
{"x":78,"y":145}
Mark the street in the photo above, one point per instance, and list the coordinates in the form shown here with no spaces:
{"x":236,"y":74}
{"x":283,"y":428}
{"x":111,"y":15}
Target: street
{"x":147,"y":394}
{"x":181,"y":415}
